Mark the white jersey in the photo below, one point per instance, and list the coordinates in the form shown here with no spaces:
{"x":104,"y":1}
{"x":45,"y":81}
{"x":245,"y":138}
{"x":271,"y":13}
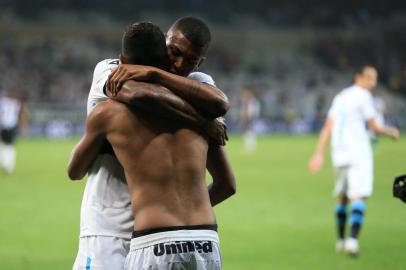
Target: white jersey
{"x":9,"y":112}
{"x":350,"y":111}
{"x":97,"y":90}
{"x":106,"y":206}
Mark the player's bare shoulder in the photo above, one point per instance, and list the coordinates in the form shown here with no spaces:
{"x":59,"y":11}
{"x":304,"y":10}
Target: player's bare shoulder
{"x":106,"y":112}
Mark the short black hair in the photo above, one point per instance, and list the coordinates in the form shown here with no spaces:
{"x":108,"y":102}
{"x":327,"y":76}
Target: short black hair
{"x":144,"y":43}
{"x":359,"y":70}
{"x":195,"y":30}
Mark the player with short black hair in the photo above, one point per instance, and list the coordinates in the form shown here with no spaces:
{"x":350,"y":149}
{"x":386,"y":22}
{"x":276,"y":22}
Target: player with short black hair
{"x":195,"y":30}
{"x":106,"y":217}
{"x":186,"y":56}
{"x":360,"y":69}
{"x":164,"y":163}
{"x":351,"y":112}
{"x":147,"y":38}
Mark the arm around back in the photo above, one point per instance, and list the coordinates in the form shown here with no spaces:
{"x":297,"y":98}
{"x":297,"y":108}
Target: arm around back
{"x":224,"y":184}
{"x":206,"y":97}
{"x":200,"y":91}
{"x":86,"y":151}
{"x":160,"y":101}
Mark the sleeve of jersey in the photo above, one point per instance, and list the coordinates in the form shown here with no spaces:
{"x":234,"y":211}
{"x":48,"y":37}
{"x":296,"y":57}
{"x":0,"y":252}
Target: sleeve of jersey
{"x":202,"y":77}
{"x":97,"y":90}
{"x":368,"y":108}
{"x":333,"y":111}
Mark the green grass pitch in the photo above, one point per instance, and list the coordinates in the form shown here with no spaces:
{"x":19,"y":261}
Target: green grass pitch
{"x":280,"y":218}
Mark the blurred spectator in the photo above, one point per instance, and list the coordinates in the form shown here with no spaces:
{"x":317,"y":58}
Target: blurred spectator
{"x":12,"y":110}
{"x":250,"y":111}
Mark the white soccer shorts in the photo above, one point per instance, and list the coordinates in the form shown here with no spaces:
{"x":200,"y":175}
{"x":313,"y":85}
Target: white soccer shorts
{"x":354,"y":180}
{"x":101,"y":253}
{"x":181,"y":249}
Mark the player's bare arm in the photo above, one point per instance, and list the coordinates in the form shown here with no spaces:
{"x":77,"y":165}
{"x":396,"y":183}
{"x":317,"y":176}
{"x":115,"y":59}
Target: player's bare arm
{"x":160,"y":101}
{"x":86,"y":151}
{"x":223,"y":185}
{"x":210,"y":100}
{"x":317,"y":160}
{"x":383,"y":130}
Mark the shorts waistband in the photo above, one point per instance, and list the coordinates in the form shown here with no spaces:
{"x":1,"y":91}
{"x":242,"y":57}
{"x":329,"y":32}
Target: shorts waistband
{"x":150,"y":237}
{"x":212,"y":227}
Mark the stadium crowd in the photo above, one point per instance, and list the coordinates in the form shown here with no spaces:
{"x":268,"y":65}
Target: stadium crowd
{"x":56,"y":68}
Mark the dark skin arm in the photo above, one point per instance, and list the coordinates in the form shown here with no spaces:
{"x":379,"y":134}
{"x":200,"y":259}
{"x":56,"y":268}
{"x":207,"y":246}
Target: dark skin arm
{"x":156,"y":98}
{"x":223,"y":185}
{"x":88,"y":148}
{"x":208,"y":99}
{"x":159,"y":100}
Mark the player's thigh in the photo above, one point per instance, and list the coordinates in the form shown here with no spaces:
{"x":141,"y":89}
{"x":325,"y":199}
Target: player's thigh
{"x":101,"y":253}
{"x":341,"y":181}
{"x":360,"y":180}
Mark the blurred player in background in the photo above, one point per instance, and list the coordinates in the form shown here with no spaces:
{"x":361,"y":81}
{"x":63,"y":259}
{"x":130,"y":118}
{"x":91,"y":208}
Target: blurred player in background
{"x":12,"y":114}
{"x":106,"y":218}
{"x":249,"y":112}
{"x":352,"y":109}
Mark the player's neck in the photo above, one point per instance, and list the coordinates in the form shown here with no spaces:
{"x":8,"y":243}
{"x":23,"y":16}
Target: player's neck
{"x":362,"y":87}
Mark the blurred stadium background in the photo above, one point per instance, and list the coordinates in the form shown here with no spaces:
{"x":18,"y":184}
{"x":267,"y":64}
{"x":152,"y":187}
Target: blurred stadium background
{"x":294,"y":55}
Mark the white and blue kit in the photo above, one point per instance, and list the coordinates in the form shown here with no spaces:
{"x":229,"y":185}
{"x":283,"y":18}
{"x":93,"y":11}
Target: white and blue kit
{"x":106,"y":220}
{"x":351,"y":149}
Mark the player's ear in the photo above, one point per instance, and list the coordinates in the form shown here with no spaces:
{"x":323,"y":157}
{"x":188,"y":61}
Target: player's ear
{"x":200,"y":62}
{"x":122,"y":58}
